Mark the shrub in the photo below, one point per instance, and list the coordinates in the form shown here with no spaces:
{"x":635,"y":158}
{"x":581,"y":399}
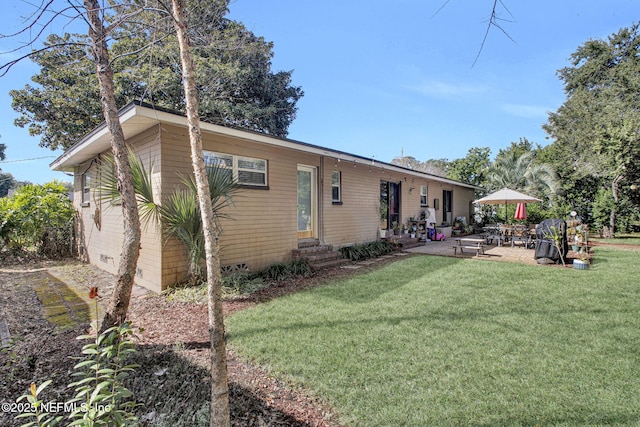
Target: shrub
{"x":367,"y":250}
{"x":27,"y":215}
{"x":101,"y":398}
{"x":282,"y":271}
{"x":243,"y":283}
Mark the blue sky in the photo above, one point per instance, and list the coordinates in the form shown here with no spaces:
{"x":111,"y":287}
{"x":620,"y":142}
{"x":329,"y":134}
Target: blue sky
{"x":383,"y":78}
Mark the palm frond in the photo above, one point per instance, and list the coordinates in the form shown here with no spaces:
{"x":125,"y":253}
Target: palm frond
{"x":108,"y":189}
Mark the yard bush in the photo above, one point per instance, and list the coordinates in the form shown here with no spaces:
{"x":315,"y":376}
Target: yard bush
{"x":282,"y":271}
{"x":30,"y":220}
{"x":101,"y":397}
{"x":366,"y":250}
{"x":243,"y":283}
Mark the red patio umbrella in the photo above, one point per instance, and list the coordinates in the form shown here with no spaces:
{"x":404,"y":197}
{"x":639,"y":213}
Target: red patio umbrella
{"x":521,"y":211}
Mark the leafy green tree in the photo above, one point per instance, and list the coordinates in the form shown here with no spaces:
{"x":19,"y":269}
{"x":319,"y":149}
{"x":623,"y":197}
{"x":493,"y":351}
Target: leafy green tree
{"x":472,"y":168}
{"x":600,"y":119}
{"x":6,"y":179}
{"x":432,"y":166}
{"x":517,"y":149}
{"x":25,"y":216}
{"x":7,"y":182}
{"x":233,"y":70}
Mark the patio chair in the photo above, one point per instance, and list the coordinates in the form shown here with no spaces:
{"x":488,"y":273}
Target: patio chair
{"x":492,"y":232}
{"x":520,"y":233}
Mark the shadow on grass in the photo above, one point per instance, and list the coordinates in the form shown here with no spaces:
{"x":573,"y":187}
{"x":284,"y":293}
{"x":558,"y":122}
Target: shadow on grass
{"x":443,"y":316}
{"x":385,"y":280}
{"x":174,"y":391}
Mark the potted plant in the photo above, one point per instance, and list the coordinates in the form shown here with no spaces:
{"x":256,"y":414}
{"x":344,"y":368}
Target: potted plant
{"x":396,"y":227}
{"x":577,"y":241}
{"x":582,"y":263}
{"x":571,"y":238}
{"x":457,"y":228}
{"x":411,"y":229}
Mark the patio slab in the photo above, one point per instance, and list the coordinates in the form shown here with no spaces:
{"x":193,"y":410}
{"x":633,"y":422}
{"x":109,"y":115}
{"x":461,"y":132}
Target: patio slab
{"x":491,"y":252}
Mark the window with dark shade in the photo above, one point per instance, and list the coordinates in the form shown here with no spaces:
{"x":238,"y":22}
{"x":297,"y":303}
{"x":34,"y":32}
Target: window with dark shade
{"x":336,"y":191}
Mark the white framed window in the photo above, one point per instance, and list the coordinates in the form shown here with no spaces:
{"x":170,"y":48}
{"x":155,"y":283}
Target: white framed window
{"x":86,"y":187}
{"x":336,"y":187}
{"x":424,"y":199}
{"x":245,"y":170}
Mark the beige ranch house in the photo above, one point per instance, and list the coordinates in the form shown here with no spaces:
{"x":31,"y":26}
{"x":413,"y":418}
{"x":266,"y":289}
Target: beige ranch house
{"x":291,"y":192}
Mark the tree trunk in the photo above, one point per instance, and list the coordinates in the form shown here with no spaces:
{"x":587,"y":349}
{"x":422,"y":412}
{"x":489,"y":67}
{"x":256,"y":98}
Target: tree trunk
{"x":614,"y":208}
{"x":119,"y":304}
{"x":219,"y":415}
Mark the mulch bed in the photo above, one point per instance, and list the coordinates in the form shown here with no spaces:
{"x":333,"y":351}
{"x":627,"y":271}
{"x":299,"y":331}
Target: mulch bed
{"x":40,"y":352}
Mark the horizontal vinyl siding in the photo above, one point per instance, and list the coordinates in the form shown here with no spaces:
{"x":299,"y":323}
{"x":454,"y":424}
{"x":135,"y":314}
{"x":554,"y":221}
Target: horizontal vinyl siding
{"x":149,"y":272}
{"x":356,"y":220}
{"x":263,"y":222}
{"x":104,"y":244}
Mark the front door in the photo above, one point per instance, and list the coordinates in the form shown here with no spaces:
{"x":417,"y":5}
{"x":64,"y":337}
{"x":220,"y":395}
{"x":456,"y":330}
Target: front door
{"x":447,"y":206}
{"x":389,"y":203}
{"x":307,"y":202}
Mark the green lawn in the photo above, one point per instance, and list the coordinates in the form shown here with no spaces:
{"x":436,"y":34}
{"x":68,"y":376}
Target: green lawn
{"x":627,"y":239}
{"x":444,"y":341}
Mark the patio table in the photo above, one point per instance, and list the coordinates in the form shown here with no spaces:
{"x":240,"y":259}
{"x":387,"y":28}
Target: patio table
{"x":469,"y":243}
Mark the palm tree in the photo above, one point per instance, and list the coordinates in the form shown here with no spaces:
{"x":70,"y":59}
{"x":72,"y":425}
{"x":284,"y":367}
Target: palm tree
{"x":179,"y":216}
{"x":182,"y":220}
{"x":523,"y":174}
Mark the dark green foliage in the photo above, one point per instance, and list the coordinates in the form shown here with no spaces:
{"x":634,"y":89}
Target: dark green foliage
{"x":7,"y":182}
{"x":281,"y":271}
{"x":597,"y":143}
{"x":26,"y":217}
{"x":300,"y":267}
{"x":241,"y":284}
{"x":366,"y":250}
{"x":101,"y":397}
{"x":472,"y":168}
{"x":233,"y":70}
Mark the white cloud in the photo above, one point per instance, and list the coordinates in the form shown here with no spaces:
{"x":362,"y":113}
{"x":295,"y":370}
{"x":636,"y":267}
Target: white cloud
{"x":447,"y":90}
{"x":526,"y":111}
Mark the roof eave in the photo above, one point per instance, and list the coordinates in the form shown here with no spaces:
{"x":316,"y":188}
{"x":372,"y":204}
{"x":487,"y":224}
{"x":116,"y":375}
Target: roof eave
{"x":136,"y":117}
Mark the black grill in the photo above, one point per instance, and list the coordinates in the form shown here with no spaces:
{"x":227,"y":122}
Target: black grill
{"x":546,"y":251}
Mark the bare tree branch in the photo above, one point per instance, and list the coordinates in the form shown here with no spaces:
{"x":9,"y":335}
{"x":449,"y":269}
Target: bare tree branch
{"x":4,"y":68}
{"x":32,"y":24}
{"x":493,"y":21}
{"x":440,"y":8}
